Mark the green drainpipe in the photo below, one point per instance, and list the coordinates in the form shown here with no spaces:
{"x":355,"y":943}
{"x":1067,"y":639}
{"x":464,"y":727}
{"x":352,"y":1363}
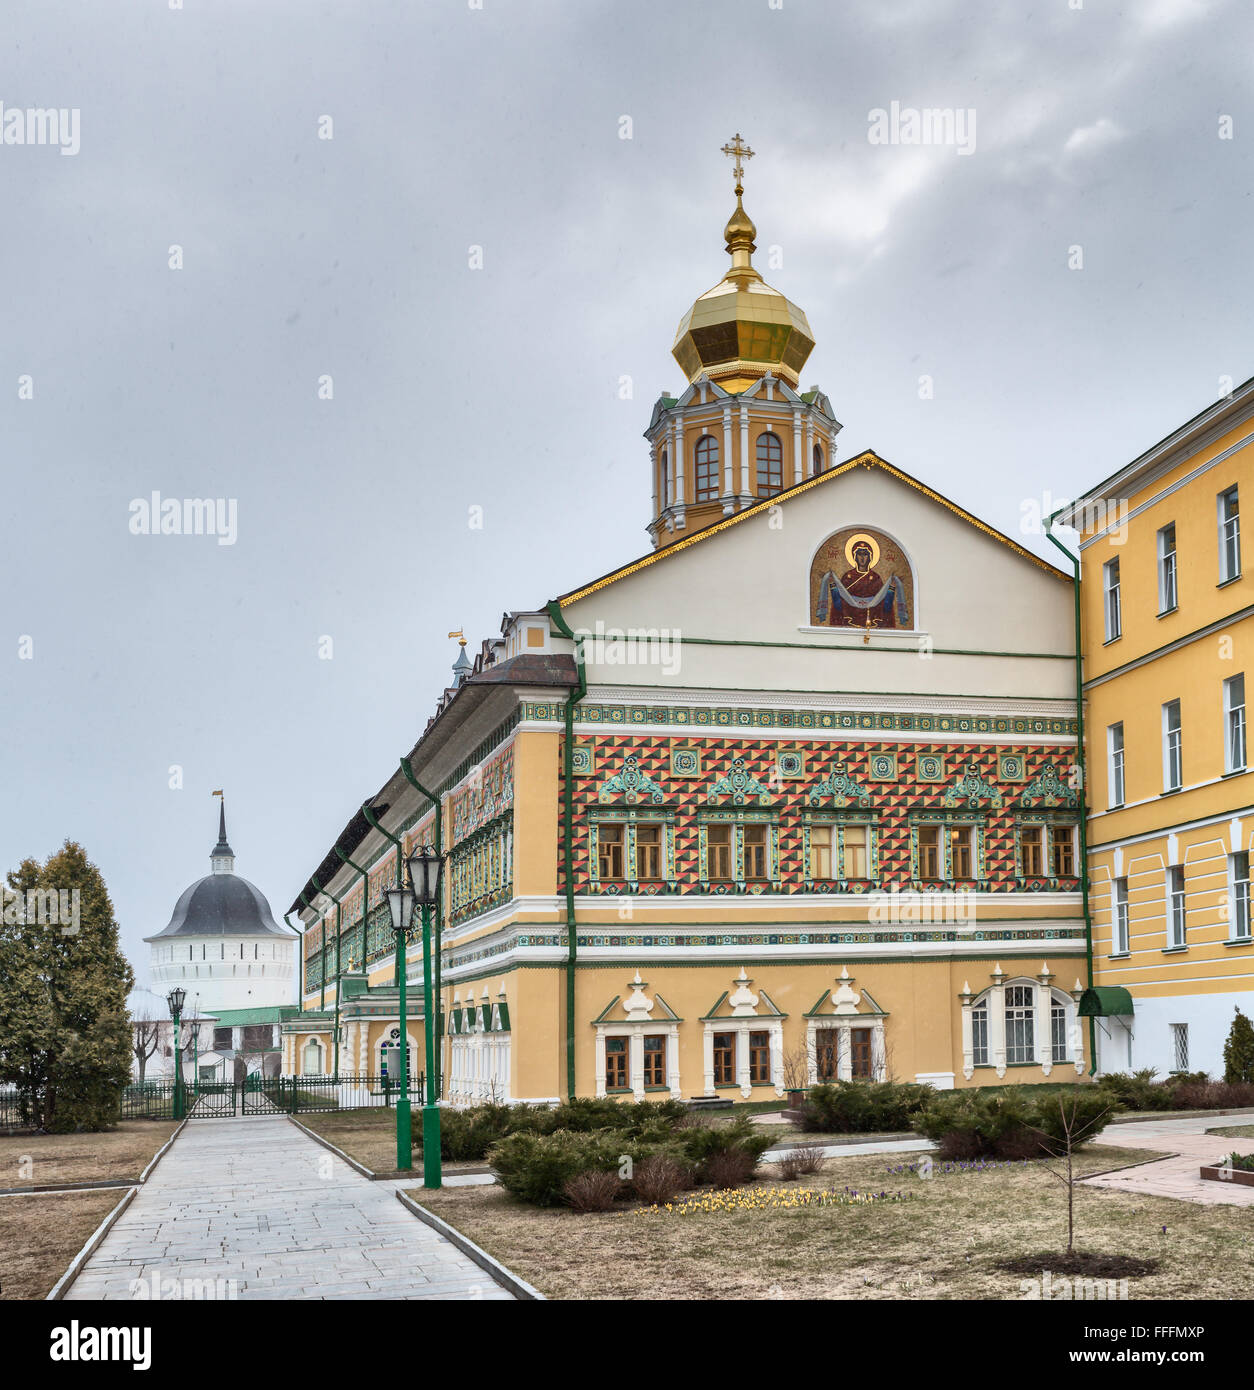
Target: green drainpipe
{"x":438,"y":963}
{"x":339,"y":924}
{"x":300,"y":979}
{"x":1084,"y":782}
{"x":322,"y":955}
{"x":568,"y":835}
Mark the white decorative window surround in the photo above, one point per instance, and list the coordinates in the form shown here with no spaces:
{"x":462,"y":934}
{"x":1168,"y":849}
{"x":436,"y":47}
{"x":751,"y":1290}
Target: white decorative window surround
{"x":749,"y":1013}
{"x":1024,"y":1021}
{"x":635,"y":1023}
{"x":842,"y":1011}
{"x":479,"y":1049}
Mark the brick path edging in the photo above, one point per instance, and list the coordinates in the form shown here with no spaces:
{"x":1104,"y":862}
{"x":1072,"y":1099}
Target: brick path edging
{"x":507,"y":1280}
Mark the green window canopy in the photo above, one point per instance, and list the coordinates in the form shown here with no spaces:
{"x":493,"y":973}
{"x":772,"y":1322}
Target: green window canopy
{"x":1105,"y":1001}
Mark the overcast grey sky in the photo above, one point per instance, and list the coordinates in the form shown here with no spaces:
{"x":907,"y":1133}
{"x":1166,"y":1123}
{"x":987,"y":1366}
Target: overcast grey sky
{"x":499,"y":127}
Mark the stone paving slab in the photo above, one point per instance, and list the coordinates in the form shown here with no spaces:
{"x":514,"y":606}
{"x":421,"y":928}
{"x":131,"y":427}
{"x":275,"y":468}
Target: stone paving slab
{"x":1177,"y":1176}
{"x":259,"y":1203}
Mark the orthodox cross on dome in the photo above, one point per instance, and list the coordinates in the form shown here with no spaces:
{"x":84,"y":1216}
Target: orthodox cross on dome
{"x":737,"y":149}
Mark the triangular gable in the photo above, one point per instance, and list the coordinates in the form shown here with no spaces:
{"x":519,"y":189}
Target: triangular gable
{"x":866,"y":1007}
{"x":767,"y":1008}
{"x":868,"y":459}
{"x":665,"y":1012}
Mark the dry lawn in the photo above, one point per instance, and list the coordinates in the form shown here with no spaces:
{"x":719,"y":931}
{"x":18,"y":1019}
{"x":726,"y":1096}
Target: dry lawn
{"x":1236,"y":1131}
{"x":943,"y":1244}
{"x":115,"y":1155}
{"x":39,"y":1236}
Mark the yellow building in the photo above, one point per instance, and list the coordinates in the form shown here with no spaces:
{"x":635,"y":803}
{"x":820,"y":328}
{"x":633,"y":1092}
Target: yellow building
{"x":790,"y":797}
{"x":1167,"y":622}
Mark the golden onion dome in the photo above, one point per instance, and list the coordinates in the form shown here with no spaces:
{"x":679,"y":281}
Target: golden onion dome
{"x":742,"y":328}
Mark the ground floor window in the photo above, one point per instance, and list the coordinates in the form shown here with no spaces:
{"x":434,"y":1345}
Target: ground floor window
{"x":311,"y":1061}
{"x":1180,"y":1045}
{"x":1020,"y":1020}
{"x":827,"y":1054}
{"x":759,"y":1058}
{"x":654,"y":1060}
{"x":724,"y":1059}
{"x":860,"y":1054}
{"x":617,"y":1073}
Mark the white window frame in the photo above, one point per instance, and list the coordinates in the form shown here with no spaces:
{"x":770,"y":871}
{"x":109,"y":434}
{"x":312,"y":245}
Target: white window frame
{"x":1120,"y":933}
{"x":1112,"y":607}
{"x":987,"y":1021}
{"x":1229,"y":535}
{"x":1115,"y":789}
{"x":1180,"y":1045}
{"x":1177,"y":922}
{"x":1173,"y":756}
{"x":1168,"y":574}
{"x":1239,"y":896}
{"x":1235,"y":751}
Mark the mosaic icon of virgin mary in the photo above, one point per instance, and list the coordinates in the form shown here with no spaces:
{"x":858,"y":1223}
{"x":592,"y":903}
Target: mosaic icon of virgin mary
{"x":861,"y":597}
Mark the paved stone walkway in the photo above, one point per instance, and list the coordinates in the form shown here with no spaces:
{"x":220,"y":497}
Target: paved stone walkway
{"x":1190,"y":1146}
{"x":256,"y":1201}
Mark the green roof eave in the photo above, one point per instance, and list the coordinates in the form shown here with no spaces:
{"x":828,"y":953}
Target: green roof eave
{"x":1105,"y":1001}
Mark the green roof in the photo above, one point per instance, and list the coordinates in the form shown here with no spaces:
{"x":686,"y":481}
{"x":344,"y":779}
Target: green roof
{"x":1105,"y":1001}
{"x":238,"y":1017}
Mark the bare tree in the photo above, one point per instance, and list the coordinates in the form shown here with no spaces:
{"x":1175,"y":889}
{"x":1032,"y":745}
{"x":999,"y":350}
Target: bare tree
{"x":145,"y":1037}
{"x":1074,"y":1133}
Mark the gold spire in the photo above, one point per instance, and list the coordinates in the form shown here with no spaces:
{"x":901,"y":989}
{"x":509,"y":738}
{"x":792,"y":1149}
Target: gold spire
{"x":740,"y":232}
{"x":742,"y":328}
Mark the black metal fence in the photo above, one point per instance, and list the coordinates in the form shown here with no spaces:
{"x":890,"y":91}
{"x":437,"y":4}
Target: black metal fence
{"x":256,"y":1095}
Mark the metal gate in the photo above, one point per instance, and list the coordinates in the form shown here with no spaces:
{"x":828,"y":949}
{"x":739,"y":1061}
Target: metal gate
{"x":212,"y":1100}
{"x":257,"y":1095}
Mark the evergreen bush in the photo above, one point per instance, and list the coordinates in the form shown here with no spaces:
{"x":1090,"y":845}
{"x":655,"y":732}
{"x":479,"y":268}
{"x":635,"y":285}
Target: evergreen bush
{"x":1239,"y":1051}
{"x":1009,"y":1124}
{"x":862,"y":1107}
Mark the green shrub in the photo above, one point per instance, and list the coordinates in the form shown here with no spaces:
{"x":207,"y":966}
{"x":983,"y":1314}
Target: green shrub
{"x":862,"y":1107}
{"x":701,"y":1144}
{"x":467,"y":1135}
{"x":1141,"y":1090}
{"x":537,"y":1167}
{"x":1010,"y":1124}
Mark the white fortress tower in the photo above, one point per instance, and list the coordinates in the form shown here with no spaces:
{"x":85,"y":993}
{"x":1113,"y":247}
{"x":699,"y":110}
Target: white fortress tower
{"x":222,"y":944}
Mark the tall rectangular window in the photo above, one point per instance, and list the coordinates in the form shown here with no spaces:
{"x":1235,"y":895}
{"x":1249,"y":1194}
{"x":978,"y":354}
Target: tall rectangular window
{"x":1173,"y":763}
{"x":759,"y":1058}
{"x":1020,"y":1014}
{"x":1229,"y":536}
{"x":1110,"y":586}
{"x":1119,"y":942}
{"x":1062,"y":843}
{"x":1114,"y":762}
{"x":962,"y":850}
{"x":718,"y":853}
{"x":724,"y":1059}
{"x":929,"y":851}
{"x":855,"y":839}
{"x":755,"y":852}
{"x":655,"y":1059}
{"x":1175,"y":906}
{"x":1058,"y":1032}
{"x":1234,"y":724}
{"x":610,"y":851}
{"x":1180,"y":1045}
{"x":1167,"y":594}
{"x":648,"y":851}
{"x":1239,"y":878}
{"x":616,"y":1075}
{"x":820,"y":851}
{"x":979,"y":1034}
{"x":1031,"y":863}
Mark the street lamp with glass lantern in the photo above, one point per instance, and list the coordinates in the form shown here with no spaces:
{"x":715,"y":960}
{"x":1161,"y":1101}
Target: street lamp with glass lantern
{"x":424,"y":867}
{"x":175,"y":1000}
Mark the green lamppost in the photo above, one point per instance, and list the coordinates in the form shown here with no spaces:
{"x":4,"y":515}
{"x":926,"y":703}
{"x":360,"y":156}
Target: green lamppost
{"x":175,"y":1000}
{"x":424,"y":866}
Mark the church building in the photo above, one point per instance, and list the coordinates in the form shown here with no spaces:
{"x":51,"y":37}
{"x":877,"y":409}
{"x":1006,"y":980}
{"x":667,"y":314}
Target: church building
{"x":791,"y":797}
